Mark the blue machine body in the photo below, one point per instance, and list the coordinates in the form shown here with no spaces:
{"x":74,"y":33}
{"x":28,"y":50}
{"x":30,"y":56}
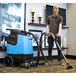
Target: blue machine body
{"x":23,"y":46}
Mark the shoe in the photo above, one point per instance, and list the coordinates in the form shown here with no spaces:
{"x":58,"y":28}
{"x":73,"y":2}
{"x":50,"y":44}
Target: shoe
{"x":60,"y":62}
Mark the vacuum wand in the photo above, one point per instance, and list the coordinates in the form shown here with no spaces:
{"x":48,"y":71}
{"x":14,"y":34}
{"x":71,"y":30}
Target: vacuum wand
{"x":59,"y":48}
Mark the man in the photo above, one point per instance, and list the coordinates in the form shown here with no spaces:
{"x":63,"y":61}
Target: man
{"x":54,"y":25}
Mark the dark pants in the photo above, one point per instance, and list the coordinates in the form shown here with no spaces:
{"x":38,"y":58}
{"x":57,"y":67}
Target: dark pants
{"x":51,"y":42}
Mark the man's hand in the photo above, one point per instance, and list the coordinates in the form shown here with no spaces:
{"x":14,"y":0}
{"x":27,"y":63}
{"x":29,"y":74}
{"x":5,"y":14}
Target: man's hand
{"x":58,"y":35}
{"x":47,"y":32}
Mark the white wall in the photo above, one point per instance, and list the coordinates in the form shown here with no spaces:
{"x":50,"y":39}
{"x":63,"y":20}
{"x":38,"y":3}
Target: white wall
{"x":71,"y":22}
{"x":40,"y":8}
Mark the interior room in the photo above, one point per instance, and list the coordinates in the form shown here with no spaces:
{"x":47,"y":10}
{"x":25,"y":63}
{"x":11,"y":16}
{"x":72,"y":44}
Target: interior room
{"x":24,"y":42}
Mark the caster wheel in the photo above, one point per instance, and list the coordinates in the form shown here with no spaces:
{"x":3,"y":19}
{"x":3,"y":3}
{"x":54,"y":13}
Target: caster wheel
{"x":8,"y":61}
{"x":32,"y":64}
{"x":27,"y":65}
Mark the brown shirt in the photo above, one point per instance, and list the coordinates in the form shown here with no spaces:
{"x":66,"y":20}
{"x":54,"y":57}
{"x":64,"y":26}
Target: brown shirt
{"x":53,"y":23}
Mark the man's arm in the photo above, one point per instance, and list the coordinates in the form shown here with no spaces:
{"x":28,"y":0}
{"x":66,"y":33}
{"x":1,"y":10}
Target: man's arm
{"x":47,"y":29}
{"x":60,"y":28}
{"x":48,"y":24}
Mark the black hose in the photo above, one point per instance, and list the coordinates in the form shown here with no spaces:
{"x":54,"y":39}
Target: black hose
{"x":39,"y":46}
{"x":58,"y":47}
{"x":40,"y":43}
{"x":38,"y":53}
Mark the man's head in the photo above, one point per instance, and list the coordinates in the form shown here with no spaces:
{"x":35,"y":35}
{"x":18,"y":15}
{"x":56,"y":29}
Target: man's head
{"x":55,"y":10}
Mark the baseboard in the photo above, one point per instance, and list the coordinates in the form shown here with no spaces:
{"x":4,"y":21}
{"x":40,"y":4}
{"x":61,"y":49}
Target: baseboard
{"x":56,"y":57}
{"x":47,"y":57}
{"x":53,"y":57}
{"x":71,"y":56}
{"x":35,"y":58}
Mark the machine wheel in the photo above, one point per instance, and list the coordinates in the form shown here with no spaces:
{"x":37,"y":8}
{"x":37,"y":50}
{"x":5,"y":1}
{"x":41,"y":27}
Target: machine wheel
{"x":8,"y":61}
{"x":27,"y":65}
{"x":32,"y":64}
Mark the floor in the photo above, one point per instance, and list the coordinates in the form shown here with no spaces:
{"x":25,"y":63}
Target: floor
{"x":54,"y":68}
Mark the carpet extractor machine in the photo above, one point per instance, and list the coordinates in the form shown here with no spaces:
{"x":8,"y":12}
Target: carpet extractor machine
{"x":20,"y":49}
